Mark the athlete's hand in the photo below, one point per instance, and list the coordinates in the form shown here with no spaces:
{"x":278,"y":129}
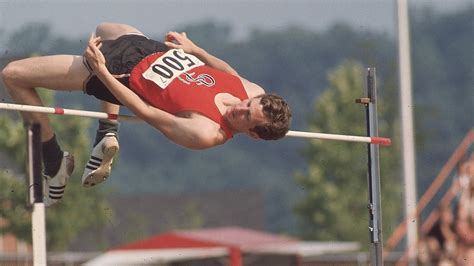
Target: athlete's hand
{"x":94,"y":56}
{"x":175,"y":40}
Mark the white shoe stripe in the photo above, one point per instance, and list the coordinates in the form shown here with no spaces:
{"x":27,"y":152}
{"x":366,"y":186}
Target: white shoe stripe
{"x":56,"y":190}
{"x":95,"y":160}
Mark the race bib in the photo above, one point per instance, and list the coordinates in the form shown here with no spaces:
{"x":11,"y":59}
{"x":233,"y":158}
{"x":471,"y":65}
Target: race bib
{"x":170,"y":66}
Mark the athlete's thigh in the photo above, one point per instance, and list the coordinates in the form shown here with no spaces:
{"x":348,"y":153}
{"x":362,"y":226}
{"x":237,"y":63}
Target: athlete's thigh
{"x":58,"y":72}
{"x":111,"y":31}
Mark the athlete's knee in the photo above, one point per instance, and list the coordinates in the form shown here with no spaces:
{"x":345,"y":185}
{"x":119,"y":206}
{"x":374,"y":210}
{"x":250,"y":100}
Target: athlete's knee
{"x":111,"y":28}
{"x":12,"y":73}
{"x":112,"y":31}
{"x":103,"y":28}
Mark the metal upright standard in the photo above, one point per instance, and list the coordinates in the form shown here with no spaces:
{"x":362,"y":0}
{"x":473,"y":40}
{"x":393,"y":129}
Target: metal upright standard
{"x":35,"y":194}
{"x":374,"y":206}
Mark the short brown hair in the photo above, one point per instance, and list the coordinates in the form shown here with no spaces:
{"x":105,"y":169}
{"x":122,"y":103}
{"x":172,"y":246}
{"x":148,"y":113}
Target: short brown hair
{"x":277,"y":111}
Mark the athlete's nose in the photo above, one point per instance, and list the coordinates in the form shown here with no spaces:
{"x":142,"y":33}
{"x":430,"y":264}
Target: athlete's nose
{"x":239,"y":108}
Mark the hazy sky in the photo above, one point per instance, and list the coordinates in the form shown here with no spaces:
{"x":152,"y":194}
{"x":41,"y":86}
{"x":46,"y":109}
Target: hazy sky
{"x":78,"y":17}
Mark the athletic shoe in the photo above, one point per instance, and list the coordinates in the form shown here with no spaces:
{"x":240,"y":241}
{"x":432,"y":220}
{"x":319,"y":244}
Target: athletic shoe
{"x":55,"y":186}
{"x":99,"y":166}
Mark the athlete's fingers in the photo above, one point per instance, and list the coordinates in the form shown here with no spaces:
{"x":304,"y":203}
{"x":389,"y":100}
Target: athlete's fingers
{"x":95,"y":43}
{"x":91,"y":37}
{"x":176,"y":36}
{"x":91,"y":45}
{"x":171,"y":45}
{"x":169,"y":37}
{"x":94,"y":39}
{"x":93,"y":48}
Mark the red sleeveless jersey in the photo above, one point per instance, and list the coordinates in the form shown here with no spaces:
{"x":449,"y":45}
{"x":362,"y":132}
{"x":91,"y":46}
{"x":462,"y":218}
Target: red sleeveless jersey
{"x":178,"y":82}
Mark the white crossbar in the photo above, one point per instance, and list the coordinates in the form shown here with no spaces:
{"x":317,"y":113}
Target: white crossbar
{"x":102,"y":115}
{"x":313,"y":135}
{"x":62,"y":111}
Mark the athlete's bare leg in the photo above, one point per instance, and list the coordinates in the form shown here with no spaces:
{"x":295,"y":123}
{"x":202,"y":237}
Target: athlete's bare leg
{"x":58,"y":72}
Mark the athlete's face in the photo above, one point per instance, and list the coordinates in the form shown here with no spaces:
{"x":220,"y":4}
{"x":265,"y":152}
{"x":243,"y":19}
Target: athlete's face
{"x":245,"y":115}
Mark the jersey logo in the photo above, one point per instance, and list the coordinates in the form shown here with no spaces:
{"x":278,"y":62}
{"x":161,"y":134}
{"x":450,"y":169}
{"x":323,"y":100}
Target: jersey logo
{"x":202,"y":79}
{"x":170,"y":66}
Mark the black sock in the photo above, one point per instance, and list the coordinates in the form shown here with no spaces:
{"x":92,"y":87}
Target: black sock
{"x":105,"y":126}
{"x":52,"y":156}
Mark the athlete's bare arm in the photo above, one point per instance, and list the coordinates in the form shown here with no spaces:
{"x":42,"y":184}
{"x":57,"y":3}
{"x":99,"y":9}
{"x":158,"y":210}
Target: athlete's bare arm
{"x":177,"y":40}
{"x":193,"y":133}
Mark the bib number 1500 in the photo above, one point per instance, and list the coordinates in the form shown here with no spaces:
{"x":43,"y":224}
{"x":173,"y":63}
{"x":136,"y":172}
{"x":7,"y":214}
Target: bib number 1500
{"x":169,"y":66}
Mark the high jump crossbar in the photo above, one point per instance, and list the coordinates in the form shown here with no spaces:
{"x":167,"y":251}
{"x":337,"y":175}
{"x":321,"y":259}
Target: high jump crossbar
{"x":102,"y":115}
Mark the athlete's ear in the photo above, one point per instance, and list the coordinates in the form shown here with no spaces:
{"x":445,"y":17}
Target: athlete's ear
{"x":253,"y":135}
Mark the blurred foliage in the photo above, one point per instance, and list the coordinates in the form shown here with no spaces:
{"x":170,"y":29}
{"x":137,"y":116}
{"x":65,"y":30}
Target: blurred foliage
{"x":443,"y":85}
{"x":335,"y":183}
{"x":79,"y":208}
{"x":39,"y":38}
{"x":16,"y":219}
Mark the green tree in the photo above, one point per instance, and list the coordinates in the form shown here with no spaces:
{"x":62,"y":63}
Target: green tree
{"x":79,"y":208}
{"x":334,"y":207}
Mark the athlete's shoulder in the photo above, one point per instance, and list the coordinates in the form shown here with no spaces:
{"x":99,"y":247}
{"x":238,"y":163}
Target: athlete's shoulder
{"x":251,"y":88}
{"x":210,"y":133}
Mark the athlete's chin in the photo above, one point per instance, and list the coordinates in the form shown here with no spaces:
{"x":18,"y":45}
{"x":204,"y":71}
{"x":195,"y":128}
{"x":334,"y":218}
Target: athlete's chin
{"x":230,"y":122}
{"x":227,"y":116}
{"x":227,"y":119}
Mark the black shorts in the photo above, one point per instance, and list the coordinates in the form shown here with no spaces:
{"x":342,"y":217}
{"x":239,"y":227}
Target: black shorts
{"x":121,"y":55}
